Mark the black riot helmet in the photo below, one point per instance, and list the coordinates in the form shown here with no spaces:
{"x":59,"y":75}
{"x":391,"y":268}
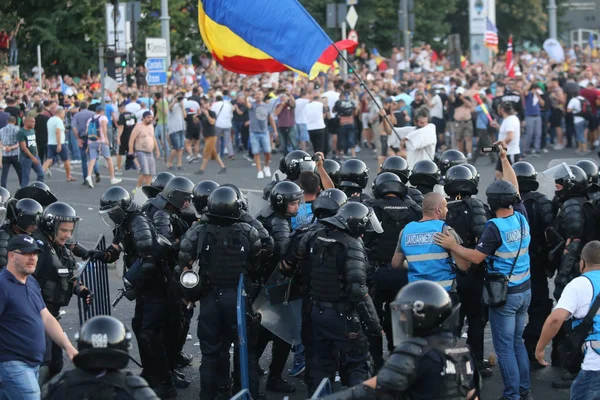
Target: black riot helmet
{"x":476,"y":175}
{"x":333,"y":170}
{"x":103,"y":343}
{"x":526,"y":176}
{"x":27,"y":213}
{"x":240,"y":195}
{"x":398,"y":166}
{"x":591,"y":170}
{"x":114,"y":204}
{"x":420,"y":309}
{"x":502,"y":194}
{"x":38,"y":191}
{"x":571,"y":178}
{"x":449,"y":159}
{"x":296,"y":162}
{"x":223,"y":203}
{"x":200,"y":194}
{"x":178,"y":191}
{"x":54,"y":214}
{"x":425,"y":173}
{"x":356,"y":219}
{"x":158,"y":183}
{"x":328,"y":203}
{"x":354,"y":174}
{"x":284,"y":193}
{"x":388,"y":183}
{"x":460,"y":181}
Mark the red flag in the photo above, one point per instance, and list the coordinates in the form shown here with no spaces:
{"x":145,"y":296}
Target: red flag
{"x":510,"y":65}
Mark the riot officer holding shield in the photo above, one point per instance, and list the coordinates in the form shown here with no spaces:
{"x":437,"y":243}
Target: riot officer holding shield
{"x":224,"y":248}
{"x":55,"y":273}
{"x":23,"y":218}
{"x":339,"y":295}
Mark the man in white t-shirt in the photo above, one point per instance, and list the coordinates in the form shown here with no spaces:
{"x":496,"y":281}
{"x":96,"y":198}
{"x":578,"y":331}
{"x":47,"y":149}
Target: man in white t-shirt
{"x":510,"y":133}
{"x":575,"y":107}
{"x":575,"y":303}
{"x":224,"y":111}
{"x":300,"y":118}
{"x":133,"y":106}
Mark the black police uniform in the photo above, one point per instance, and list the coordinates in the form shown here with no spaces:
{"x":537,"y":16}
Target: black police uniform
{"x":340,"y":302}
{"x":467,"y":216}
{"x":224,"y":248}
{"x":429,"y":362}
{"x":20,"y":214}
{"x":399,"y":166}
{"x":395,"y":209}
{"x":6,"y":233}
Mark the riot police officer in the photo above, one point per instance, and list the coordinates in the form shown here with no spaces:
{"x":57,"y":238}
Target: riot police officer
{"x":399,"y":166}
{"x":395,"y":210}
{"x":540,"y":214}
{"x":296,"y":162}
{"x":158,"y":183}
{"x":340,"y":298}
{"x":467,"y":216}
{"x":332,"y":168}
{"x":325,"y":205}
{"x":285,"y":199}
{"x":23,"y":218}
{"x":428,"y":362}
{"x":424,"y":176}
{"x":224,"y":248}
{"x":449,"y":159}
{"x":38,"y":191}
{"x":591,"y":170}
{"x":200,"y":194}
{"x":103,"y":343}
{"x":54,"y":273}
{"x":354,"y":176}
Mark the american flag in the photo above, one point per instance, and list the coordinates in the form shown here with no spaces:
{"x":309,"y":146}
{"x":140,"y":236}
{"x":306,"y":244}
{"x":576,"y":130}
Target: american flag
{"x":491,"y":35}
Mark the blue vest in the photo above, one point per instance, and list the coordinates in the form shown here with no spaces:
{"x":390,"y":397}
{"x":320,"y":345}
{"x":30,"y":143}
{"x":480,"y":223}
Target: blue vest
{"x":510,"y":233}
{"x":304,"y":216}
{"x":594,"y":337}
{"x":426,"y":260}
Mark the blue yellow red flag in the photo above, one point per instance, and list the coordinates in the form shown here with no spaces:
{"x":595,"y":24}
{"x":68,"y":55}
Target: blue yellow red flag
{"x":252,"y":37}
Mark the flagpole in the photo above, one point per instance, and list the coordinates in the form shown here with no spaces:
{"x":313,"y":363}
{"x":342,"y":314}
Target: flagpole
{"x":364,"y":85}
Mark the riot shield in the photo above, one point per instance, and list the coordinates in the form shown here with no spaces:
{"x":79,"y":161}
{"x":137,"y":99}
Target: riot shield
{"x":140,"y":198}
{"x":95,"y":276}
{"x":43,"y":197}
{"x":280,"y":306}
{"x":255,"y":202}
{"x":242,"y":334}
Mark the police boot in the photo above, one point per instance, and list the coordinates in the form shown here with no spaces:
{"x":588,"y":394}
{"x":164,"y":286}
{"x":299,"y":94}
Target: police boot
{"x":183,"y":360}
{"x":279,"y":385}
{"x":179,"y":380}
{"x":165,"y":389}
{"x":224,"y":392}
{"x":484,"y":369}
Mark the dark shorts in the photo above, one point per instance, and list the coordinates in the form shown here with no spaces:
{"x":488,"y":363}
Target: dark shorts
{"x":440,"y":125}
{"x":512,"y":159}
{"x":192,"y":135}
{"x":63,"y":154}
{"x":124,"y":146}
{"x":556,"y":118}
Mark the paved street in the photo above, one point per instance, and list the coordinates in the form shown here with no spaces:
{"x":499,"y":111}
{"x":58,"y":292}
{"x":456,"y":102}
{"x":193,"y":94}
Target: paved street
{"x":243,"y":174}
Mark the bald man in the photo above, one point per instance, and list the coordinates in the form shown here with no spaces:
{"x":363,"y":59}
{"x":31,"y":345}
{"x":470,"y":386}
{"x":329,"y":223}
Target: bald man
{"x":425,"y":259}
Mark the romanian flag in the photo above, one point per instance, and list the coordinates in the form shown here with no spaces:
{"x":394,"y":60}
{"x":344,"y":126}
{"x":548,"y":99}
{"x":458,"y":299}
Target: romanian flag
{"x":252,"y":37}
{"x":381,"y":64}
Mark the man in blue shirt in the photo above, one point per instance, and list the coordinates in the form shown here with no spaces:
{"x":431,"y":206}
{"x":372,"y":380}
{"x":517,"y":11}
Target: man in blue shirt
{"x":23,"y":321}
{"x":504,"y":245}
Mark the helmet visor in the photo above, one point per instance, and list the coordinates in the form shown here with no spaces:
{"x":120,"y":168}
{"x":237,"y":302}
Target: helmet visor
{"x":373,"y":224}
{"x":112,"y":217}
{"x":3,"y":215}
{"x":402,"y":321}
{"x":561,"y":171}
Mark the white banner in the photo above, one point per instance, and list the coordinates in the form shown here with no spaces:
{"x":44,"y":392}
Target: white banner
{"x":554,"y":50}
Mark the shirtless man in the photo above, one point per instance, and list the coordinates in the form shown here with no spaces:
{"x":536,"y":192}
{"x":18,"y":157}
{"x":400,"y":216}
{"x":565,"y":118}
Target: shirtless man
{"x":143,"y":143}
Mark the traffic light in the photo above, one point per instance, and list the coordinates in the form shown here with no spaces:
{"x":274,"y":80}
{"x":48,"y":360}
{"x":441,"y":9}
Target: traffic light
{"x":123,"y":63}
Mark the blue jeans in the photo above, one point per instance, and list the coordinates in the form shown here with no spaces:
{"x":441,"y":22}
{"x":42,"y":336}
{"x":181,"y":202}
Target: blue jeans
{"x":586,"y":386}
{"x":159,"y":134}
{"x":19,"y":381}
{"x":26,"y":166}
{"x":507,"y":323}
{"x":84,"y":159}
{"x":299,"y":354}
{"x":580,"y":131}
{"x":14,"y":55}
{"x":73,"y":146}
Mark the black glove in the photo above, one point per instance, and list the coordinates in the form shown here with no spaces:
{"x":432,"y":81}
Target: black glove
{"x":85,"y":294}
{"x":98,"y":255}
